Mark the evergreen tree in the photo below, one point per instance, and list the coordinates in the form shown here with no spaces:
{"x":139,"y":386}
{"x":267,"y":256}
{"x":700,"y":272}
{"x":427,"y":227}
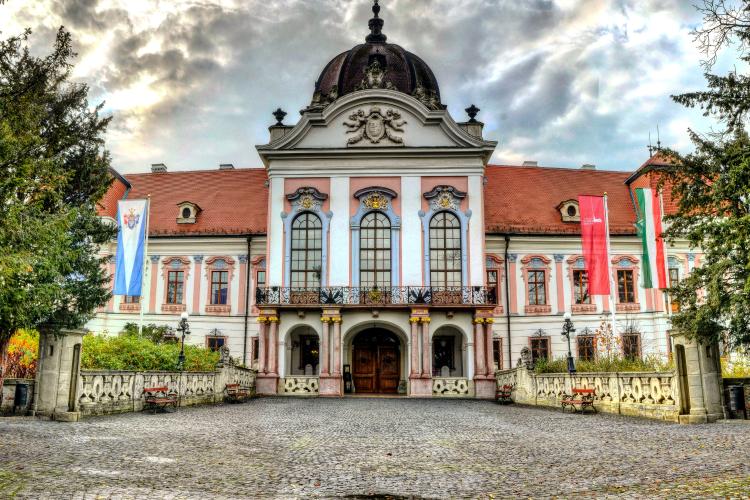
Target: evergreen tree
{"x":53,"y":171}
{"x":712,"y":189}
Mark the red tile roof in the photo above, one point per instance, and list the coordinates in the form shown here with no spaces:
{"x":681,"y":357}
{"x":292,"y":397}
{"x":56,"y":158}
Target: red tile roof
{"x":518,"y":200}
{"x":231,"y":201}
{"x":524,"y":200}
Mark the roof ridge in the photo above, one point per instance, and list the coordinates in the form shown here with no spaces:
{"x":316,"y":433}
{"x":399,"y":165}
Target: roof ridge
{"x":568,"y":169}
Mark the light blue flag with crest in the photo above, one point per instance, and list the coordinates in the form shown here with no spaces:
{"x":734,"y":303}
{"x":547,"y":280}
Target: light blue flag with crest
{"x":131,"y":240}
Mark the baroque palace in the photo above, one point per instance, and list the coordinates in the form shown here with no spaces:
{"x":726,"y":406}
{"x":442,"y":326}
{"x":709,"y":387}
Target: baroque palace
{"x":377,"y":251}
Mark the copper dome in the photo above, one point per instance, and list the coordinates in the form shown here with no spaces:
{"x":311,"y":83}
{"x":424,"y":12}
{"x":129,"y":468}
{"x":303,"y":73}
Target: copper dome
{"x":376,"y":64}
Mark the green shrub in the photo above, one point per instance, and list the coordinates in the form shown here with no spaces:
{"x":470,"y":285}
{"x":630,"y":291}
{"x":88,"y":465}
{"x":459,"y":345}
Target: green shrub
{"x":739,"y":368}
{"x":651,"y":363}
{"x":129,"y":352}
{"x":151,"y":331}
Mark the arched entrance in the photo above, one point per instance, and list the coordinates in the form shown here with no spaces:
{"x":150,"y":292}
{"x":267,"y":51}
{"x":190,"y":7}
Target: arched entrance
{"x":376,"y":362}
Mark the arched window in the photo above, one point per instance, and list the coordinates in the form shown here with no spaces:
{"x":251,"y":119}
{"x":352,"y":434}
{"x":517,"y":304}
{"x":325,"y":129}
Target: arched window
{"x":307,"y":245}
{"x":375,"y":251}
{"x":445,"y":250}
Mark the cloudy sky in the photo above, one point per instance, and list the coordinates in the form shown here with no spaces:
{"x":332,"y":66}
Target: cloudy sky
{"x":564,"y":82}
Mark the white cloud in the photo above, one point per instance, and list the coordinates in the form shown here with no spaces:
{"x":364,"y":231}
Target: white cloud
{"x":192,"y":83}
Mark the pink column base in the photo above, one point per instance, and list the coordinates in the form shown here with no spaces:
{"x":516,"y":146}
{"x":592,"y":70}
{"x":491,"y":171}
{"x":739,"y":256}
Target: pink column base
{"x":266,"y":385}
{"x":420,"y":387}
{"x":484,"y":388}
{"x":331,"y":386}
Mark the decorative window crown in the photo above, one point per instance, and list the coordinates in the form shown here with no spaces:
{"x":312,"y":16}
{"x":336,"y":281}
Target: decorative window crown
{"x":569,"y":211}
{"x":307,"y":198}
{"x":375,"y":198}
{"x":444,"y":197}
{"x":187,"y":212}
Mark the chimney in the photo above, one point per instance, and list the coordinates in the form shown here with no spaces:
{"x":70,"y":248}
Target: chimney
{"x":588,"y":166}
{"x":226,"y":166}
{"x":528,"y":163}
{"x":158,"y":168}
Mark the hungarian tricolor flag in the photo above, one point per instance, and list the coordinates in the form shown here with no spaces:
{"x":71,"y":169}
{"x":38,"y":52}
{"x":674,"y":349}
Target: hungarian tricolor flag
{"x":595,"y":240}
{"x":650,"y":230}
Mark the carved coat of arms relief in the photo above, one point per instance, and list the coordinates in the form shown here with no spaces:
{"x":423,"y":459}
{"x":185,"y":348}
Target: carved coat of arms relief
{"x":375,"y":127}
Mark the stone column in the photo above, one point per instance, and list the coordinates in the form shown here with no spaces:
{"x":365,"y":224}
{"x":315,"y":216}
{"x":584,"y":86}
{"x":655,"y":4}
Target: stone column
{"x":273,"y":346}
{"x":489,"y":351}
{"x":325,"y":354}
{"x":700,"y":375}
{"x":331,"y":381}
{"x":415,"y":366}
{"x":479,"y":345}
{"x":337,"y":346}
{"x":426,"y":349}
{"x":262,"y":348}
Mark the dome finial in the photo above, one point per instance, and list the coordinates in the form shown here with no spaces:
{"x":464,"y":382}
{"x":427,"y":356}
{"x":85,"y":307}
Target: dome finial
{"x":376,"y":26}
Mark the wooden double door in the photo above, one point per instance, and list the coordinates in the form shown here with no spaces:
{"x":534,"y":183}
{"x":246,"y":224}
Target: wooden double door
{"x":376,"y":362}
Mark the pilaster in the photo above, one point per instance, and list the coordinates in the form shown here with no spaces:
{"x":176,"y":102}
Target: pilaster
{"x":267,"y":379}
{"x":331,"y":382}
{"x":420,"y":378}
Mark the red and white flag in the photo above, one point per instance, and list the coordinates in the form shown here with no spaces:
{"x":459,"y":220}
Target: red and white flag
{"x":594,"y":236}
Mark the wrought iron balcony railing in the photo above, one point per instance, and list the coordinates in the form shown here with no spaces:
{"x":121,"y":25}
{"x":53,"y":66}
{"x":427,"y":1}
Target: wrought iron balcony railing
{"x":390,"y":296}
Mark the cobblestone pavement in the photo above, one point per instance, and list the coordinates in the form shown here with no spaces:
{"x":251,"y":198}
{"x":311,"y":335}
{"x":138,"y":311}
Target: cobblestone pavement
{"x":284,"y":448}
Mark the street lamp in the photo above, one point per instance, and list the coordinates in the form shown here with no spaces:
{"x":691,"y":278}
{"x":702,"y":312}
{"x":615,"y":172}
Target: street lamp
{"x":567,"y":330}
{"x":183,"y":328}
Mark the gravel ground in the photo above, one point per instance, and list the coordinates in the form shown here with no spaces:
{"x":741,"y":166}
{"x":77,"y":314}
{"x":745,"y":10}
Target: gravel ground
{"x":371,"y":448}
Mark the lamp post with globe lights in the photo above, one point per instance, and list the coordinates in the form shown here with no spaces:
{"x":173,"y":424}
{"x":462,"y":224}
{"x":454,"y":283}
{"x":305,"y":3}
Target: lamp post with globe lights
{"x":184,"y":329}
{"x":567,"y":331}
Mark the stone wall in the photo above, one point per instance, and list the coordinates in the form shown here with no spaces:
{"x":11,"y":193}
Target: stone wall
{"x":8,"y":397}
{"x":102,"y":392}
{"x":650,"y":395}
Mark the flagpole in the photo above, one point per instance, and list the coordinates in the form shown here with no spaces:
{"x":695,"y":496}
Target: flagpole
{"x":612,"y":292}
{"x":145,"y":264}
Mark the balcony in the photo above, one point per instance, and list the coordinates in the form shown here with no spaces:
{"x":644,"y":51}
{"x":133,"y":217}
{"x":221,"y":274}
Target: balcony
{"x":380,"y":297}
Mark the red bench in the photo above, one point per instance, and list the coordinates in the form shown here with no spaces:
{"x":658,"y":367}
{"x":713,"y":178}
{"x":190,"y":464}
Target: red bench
{"x":159,"y":398}
{"x":580,"y":397}
{"x":234,"y":393}
{"x":502,"y":395}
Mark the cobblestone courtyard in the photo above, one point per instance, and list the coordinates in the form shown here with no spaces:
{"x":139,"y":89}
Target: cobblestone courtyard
{"x":357,"y":447}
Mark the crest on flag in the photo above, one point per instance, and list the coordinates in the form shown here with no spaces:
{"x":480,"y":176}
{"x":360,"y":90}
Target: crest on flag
{"x":131,"y":218}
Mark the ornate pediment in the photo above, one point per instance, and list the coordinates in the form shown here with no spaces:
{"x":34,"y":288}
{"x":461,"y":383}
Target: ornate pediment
{"x":375,"y":126}
{"x":307,"y":198}
{"x":444,"y":197}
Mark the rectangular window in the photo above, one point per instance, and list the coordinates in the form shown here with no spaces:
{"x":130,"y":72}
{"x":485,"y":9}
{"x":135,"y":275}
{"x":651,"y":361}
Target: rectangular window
{"x":539,"y":349}
{"x":260,"y":284}
{"x":309,"y":353}
{"x":581,"y":287}
{"x":175,"y":286}
{"x":586,"y":351}
{"x":219,"y":287}
{"x":631,"y":345}
{"x":215,"y":343}
{"x":674,"y":279}
{"x":492,"y":288}
{"x":497,"y":353}
{"x":256,"y":349}
{"x":537,"y":288}
{"x":625,"y":290}
{"x":132,"y":299}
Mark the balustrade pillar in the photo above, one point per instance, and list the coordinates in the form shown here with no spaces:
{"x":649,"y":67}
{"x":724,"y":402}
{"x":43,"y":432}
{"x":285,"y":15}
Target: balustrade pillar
{"x":273,"y":343}
{"x":337,"y":346}
{"x":325,"y":354}
{"x":426,"y":351}
{"x":479,"y":345}
{"x":415,"y":367}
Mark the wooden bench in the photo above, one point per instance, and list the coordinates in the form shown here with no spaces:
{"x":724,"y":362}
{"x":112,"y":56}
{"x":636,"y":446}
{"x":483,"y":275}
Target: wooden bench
{"x":502,"y":395}
{"x":159,"y":398}
{"x":581,"y":397}
{"x":234,"y":393}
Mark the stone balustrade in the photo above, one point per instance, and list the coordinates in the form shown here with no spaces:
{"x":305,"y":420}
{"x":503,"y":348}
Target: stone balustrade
{"x":450,"y":386}
{"x":300,"y":386}
{"x":642,"y":394}
{"x":102,"y":392}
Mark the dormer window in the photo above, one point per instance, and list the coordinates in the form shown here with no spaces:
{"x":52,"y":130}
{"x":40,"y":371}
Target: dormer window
{"x":569,"y":211}
{"x":187,"y":212}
